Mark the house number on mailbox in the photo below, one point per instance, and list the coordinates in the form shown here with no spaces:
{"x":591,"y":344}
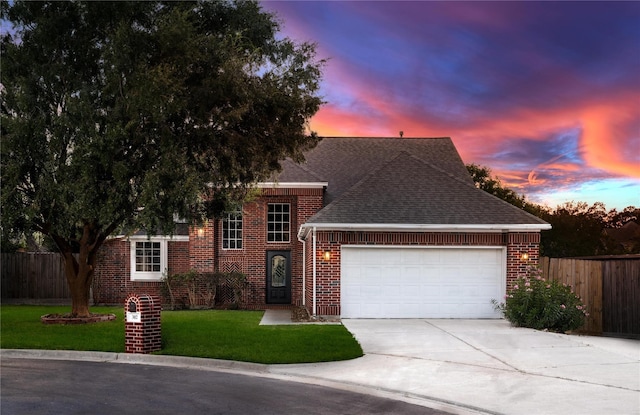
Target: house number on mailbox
{"x":133,"y":316}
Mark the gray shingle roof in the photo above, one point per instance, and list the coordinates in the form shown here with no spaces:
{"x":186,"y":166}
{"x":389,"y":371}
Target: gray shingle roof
{"x":343,"y":161}
{"x":407,"y":190}
{"x":399,"y":181}
{"x":295,"y":173}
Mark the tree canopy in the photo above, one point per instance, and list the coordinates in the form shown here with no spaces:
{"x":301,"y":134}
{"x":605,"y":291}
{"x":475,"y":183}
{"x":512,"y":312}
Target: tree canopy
{"x":577,"y":228}
{"x":484,"y":180}
{"x":130,"y":114}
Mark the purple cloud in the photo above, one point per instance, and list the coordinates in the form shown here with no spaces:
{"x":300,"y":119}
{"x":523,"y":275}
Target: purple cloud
{"x":544,"y":93}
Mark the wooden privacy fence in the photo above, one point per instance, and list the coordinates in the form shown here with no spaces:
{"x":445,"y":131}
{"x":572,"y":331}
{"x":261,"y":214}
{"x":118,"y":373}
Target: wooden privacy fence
{"x":621,"y":297}
{"x":33,"y":276}
{"x":608,"y":286}
{"x":585,"y":278}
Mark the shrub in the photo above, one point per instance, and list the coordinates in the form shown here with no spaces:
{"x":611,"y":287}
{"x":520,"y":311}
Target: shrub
{"x":540,"y":304}
{"x":201,"y":288}
{"x":237,"y":281}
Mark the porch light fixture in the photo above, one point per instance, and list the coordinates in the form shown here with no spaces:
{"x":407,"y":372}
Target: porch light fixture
{"x":524,"y":256}
{"x":326,"y":255}
{"x":200,"y":232}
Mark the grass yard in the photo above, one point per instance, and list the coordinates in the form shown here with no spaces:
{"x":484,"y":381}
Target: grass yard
{"x":216,"y":334}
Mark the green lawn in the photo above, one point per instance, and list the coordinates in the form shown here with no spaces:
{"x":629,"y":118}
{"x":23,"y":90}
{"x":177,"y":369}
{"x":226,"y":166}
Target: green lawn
{"x":217,"y":334}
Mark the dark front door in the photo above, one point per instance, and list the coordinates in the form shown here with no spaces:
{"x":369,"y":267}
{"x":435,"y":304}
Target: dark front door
{"x":278,"y":277}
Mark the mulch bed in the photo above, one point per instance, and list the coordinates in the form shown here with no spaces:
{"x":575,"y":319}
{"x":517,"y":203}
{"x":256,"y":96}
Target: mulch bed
{"x":69,"y":319}
{"x":301,"y":315}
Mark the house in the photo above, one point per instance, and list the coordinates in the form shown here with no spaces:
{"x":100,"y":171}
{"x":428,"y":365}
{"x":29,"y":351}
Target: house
{"x":364,"y":228}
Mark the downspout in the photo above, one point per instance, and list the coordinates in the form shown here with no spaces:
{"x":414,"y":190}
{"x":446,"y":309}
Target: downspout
{"x":216,"y":244}
{"x":314,"y":270}
{"x":304,"y":269}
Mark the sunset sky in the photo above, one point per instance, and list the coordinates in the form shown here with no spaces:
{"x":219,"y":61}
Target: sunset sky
{"x":546,"y":94}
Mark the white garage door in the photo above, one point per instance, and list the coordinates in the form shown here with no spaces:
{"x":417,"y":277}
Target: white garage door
{"x":408,"y":282}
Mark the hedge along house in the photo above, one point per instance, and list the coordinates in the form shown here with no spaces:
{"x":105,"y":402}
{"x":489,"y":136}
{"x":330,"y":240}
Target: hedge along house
{"x":364,"y":228}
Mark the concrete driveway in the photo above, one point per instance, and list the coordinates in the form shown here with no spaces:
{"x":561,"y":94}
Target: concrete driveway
{"x":489,"y":367}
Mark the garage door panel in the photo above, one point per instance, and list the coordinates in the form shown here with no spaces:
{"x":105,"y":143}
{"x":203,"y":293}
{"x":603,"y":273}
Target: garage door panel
{"x":368,"y":256}
{"x":429,"y":276}
{"x":486,"y":274}
{"x":371,"y":274}
{"x":479,"y":310}
{"x":475,"y":291}
{"x":421,"y":282}
{"x":355,"y":293}
{"x":392,"y":291}
{"x":456,"y":291}
{"x":485,"y":291}
{"x":353,"y":271}
{"x":412,"y":257}
{"x":430,"y":310}
{"x":410,"y":291}
{"x":409,"y":273}
{"x":372,"y":292}
{"x":413,"y":310}
{"x":448,"y":256}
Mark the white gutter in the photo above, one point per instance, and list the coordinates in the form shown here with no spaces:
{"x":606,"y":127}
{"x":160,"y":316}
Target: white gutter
{"x":313,"y":238}
{"x":176,"y":238}
{"x":304,"y":269}
{"x":406,"y":227}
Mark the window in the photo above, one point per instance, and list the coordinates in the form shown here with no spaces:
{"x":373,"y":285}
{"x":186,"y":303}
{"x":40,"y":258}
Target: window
{"x":278,"y":219}
{"x":147,"y":256}
{"x":232,"y":231}
{"x":148,"y":259}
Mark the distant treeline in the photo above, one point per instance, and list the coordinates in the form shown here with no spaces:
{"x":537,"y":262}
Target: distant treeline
{"x":577,"y":228}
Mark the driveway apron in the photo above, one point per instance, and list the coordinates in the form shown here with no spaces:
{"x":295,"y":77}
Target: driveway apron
{"x":488,"y":366}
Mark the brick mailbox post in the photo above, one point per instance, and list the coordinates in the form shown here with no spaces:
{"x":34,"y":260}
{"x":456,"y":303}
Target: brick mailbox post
{"x":142,"y":323}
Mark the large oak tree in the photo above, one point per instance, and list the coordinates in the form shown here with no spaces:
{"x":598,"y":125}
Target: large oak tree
{"x":129,"y":114}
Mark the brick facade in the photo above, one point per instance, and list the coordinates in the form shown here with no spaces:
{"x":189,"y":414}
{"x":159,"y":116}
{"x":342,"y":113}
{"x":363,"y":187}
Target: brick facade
{"x":203,"y":252}
{"x":112,"y":279}
{"x":518,"y":244}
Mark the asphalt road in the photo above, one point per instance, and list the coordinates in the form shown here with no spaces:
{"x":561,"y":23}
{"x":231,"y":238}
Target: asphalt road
{"x":34,"y":386}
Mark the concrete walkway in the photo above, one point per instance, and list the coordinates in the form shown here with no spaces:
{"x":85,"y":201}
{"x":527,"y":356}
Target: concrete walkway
{"x":277,"y":318}
{"x":460,"y":366}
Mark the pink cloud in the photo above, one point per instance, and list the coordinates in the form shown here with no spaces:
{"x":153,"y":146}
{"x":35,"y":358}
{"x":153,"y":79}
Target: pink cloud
{"x":545,"y":94}
{"x":607,"y":141}
{"x":612,"y":136}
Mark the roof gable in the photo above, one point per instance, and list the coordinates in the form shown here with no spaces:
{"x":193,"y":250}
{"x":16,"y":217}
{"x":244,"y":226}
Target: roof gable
{"x":407,"y":190}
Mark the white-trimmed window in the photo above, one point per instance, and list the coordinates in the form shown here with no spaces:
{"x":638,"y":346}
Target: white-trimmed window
{"x":278,"y":222}
{"x":232,"y":230}
{"x":148,"y":258}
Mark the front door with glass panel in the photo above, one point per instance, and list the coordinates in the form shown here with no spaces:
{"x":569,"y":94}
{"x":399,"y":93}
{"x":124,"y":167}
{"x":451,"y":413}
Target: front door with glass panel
{"x":278,"y":277}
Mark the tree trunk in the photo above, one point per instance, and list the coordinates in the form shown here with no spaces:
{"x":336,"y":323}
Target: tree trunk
{"x":79,"y":278}
{"x":79,"y":271}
